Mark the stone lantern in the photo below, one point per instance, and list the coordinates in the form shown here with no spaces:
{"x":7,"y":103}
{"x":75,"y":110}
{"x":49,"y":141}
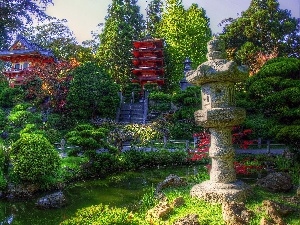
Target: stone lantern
{"x":217,"y":77}
{"x":184,"y":84}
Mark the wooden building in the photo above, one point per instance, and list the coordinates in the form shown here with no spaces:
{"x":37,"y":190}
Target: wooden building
{"x":23,"y":56}
{"x":148,"y":61}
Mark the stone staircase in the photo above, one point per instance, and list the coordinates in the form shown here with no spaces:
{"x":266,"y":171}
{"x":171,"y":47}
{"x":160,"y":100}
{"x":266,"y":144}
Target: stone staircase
{"x":133,"y":113}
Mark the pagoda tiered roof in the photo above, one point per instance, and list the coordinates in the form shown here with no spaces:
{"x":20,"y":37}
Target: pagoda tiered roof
{"x":24,"y":56}
{"x":148,"y":61}
{"x":24,"y":48}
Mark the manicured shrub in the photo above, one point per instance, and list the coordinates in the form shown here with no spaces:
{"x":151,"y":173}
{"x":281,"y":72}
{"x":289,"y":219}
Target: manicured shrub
{"x":53,"y":136}
{"x":274,"y":94}
{"x":159,"y":102}
{"x":10,"y":96}
{"x":92,"y":93}
{"x":142,"y":134}
{"x":71,"y":168}
{"x":101,"y":164}
{"x":127,"y":91}
{"x":20,"y":115}
{"x":88,"y":137}
{"x":104,"y":164}
{"x":34,"y":158}
{"x":291,"y":136}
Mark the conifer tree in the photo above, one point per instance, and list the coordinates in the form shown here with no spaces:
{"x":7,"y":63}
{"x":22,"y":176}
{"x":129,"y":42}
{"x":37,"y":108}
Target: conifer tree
{"x":123,"y":24}
{"x":154,"y":12}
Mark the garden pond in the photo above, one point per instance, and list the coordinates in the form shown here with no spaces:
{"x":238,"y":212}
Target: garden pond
{"x":120,"y":190}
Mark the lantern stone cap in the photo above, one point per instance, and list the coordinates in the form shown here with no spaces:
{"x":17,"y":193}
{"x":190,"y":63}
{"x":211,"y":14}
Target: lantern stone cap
{"x":217,"y":68}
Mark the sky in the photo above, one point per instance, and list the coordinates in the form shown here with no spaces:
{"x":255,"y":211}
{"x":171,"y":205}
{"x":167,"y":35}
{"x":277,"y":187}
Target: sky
{"x":83,"y":16}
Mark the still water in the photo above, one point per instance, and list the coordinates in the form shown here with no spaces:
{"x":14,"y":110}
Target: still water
{"x":120,"y":190}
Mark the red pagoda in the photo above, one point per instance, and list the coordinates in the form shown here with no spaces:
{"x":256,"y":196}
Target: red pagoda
{"x":148,"y":61}
{"x":23,"y":56}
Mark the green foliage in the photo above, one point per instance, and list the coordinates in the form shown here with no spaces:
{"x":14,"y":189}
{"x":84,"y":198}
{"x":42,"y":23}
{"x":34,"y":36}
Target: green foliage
{"x":53,"y":136}
{"x":160,"y":96}
{"x":3,"y":119}
{"x":186,"y":33}
{"x":72,"y":168}
{"x":3,"y":181}
{"x":10,"y":97}
{"x":2,"y":157}
{"x":262,"y":127}
{"x":273,"y":95}
{"x":142,"y":134}
{"x":127,"y":91}
{"x":182,"y":125}
{"x":103,"y":214}
{"x":264,"y":27}
{"x":104,"y":164}
{"x":148,"y":200}
{"x":19,"y":118}
{"x":92,"y":93}
{"x":16,"y":14}
{"x":88,"y":137}
{"x":101,"y":165}
{"x":34,"y":158}
{"x":280,"y":67}
{"x":154,"y":13}
{"x":4,"y":164}
{"x":56,"y":36}
{"x":183,"y":130}
{"x":151,"y":87}
{"x":291,"y":136}
{"x":122,"y":25}
{"x":159,"y":102}
{"x":191,"y":97}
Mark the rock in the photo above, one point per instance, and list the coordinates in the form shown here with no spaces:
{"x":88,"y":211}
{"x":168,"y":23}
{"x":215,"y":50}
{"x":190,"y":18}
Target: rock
{"x":264,"y":221}
{"x":179,"y":201}
{"x":235,"y":213}
{"x":276,"y":182}
{"x":159,"y":211}
{"x":298,"y":192}
{"x":55,"y":200}
{"x":22,"y":191}
{"x":276,"y":210}
{"x":190,"y":219}
{"x":170,"y":181}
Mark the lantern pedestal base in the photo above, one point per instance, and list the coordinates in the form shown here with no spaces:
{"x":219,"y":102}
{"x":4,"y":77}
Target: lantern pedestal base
{"x":220,"y":192}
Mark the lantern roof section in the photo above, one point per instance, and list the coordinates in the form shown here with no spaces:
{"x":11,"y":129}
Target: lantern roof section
{"x":23,"y":46}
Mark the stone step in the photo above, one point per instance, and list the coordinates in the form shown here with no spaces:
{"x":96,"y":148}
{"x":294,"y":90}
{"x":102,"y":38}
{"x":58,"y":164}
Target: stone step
{"x":132,"y":106}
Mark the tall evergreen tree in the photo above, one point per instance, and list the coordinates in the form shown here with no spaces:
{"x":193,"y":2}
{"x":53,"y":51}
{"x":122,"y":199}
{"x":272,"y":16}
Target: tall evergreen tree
{"x":264,"y":28}
{"x":123,"y":24}
{"x":154,"y":13}
{"x":186,"y":33}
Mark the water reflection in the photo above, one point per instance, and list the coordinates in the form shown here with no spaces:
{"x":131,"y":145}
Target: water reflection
{"x":120,"y":190}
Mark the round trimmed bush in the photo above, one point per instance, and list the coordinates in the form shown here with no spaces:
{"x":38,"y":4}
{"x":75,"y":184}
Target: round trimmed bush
{"x":34,"y":158}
